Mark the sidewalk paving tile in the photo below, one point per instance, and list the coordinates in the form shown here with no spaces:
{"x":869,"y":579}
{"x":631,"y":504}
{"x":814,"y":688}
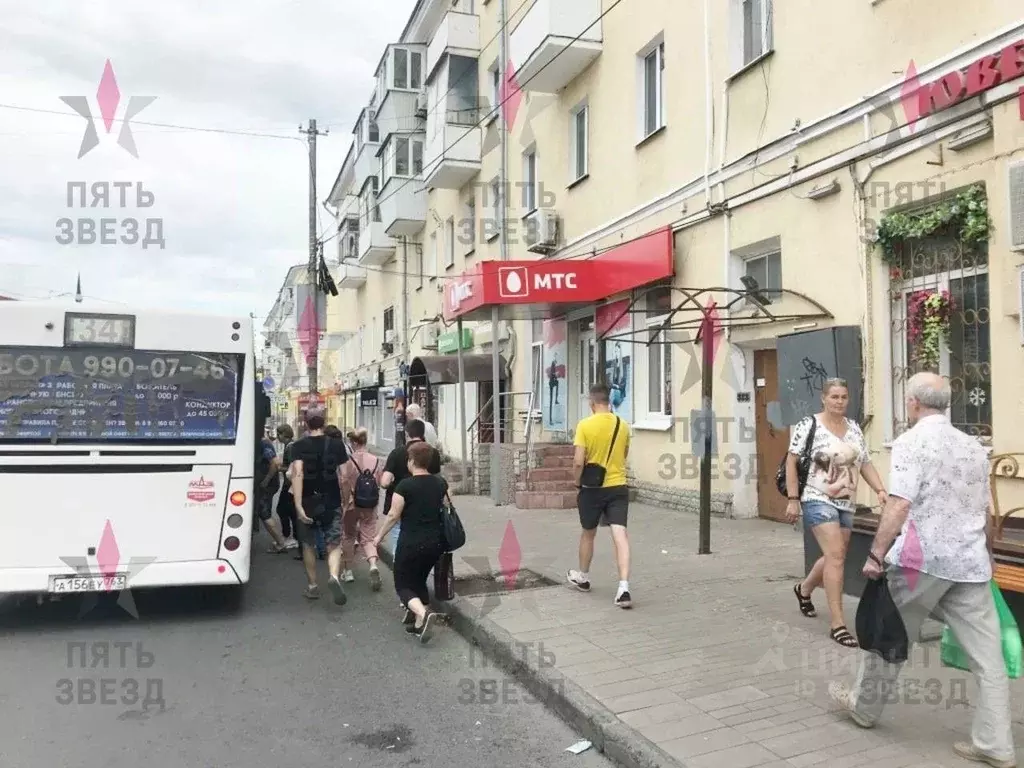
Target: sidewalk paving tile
{"x":714,"y":664}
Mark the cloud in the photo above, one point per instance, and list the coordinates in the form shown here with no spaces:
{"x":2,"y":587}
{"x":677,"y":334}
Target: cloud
{"x":234,"y":208}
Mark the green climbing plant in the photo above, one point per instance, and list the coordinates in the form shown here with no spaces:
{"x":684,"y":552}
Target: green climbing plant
{"x":965,"y":216}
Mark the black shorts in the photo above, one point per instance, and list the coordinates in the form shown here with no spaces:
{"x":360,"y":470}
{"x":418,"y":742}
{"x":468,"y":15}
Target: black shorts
{"x":264,"y":504}
{"x":603,"y":506}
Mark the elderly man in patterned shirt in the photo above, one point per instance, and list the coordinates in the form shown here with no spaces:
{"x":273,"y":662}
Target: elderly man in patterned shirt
{"x":939,"y":501}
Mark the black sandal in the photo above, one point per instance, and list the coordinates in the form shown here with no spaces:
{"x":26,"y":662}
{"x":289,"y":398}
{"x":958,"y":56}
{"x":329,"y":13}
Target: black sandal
{"x":806,"y":606}
{"x":842,"y":636}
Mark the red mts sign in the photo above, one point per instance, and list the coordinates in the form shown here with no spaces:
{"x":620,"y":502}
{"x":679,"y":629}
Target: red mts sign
{"x":983,"y":75}
{"x":632,"y":264}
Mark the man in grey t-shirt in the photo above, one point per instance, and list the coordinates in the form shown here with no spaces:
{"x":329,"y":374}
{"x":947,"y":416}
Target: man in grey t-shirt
{"x":414,"y":411}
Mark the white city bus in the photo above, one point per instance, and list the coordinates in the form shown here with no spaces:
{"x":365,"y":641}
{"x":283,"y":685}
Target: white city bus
{"x":126,"y":448}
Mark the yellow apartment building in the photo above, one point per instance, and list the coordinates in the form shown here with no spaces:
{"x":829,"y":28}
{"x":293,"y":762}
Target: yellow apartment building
{"x":840,"y":188}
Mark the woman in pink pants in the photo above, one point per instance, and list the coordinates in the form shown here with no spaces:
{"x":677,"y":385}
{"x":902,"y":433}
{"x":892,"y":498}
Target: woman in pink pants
{"x":359,"y":520}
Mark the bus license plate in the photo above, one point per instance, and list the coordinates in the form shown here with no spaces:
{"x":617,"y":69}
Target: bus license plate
{"x":70,"y":584}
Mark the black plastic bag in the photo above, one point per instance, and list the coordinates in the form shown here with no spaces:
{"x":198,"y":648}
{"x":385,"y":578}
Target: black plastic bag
{"x":880,"y":627}
{"x":444,"y":578}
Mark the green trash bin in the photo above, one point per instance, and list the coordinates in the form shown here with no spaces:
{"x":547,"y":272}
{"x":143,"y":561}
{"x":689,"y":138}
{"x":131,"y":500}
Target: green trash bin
{"x":952,"y":654}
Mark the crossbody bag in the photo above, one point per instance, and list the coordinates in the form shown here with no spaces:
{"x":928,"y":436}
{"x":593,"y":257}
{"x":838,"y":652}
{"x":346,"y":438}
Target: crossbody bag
{"x":593,"y":474}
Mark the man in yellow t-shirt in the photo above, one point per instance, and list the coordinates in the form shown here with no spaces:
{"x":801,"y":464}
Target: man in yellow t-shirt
{"x":602,"y":445}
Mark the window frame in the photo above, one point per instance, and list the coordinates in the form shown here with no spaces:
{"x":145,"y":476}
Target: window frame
{"x":655,"y":49}
{"x":530,"y":183}
{"x":576,"y":173}
{"x":774,"y":253}
{"x":449,"y":242}
{"x":494,"y":190}
{"x":431,"y":266}
{"x":470,"y":211}
{"x":765,"y":11}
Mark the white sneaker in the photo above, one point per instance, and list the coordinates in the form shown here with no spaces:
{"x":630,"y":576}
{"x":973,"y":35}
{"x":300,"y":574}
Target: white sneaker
{"x":578,"y":580}
{"x":348,"y":577}
{"x":841,"y":694}
{"x":291,"y":544}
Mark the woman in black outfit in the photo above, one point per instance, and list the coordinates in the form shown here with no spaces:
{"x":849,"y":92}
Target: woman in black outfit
{"x":417,"y":502}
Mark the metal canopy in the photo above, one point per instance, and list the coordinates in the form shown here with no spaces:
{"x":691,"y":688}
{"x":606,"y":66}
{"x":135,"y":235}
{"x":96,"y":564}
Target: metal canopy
{"x":444,"y":369}
{"x":690,"y":314}
{"x":706,"y":319}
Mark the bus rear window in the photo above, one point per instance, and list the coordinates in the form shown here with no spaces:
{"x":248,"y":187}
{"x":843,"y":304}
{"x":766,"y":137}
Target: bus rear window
{"x":99,"y":394}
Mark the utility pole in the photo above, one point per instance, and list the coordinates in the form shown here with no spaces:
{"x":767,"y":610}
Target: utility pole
{"x":314,"y":254}
{"x":496,"y":472}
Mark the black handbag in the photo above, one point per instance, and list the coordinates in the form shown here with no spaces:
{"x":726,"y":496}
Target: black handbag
{"x":593,"y":474}
{"x":451,"y":526}
{"x":803,"y":465}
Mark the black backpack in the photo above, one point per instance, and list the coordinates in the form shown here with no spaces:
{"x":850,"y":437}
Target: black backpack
{"x":367,"y":492}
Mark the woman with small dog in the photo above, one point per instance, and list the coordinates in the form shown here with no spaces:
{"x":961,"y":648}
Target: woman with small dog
{"x":827,"y":501}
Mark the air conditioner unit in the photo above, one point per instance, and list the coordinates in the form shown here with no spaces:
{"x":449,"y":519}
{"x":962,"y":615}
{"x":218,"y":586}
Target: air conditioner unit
{"x":541,"y":231}
{"x":421,"y":105}
{"x":389,"y":337}
{"x":1016,"y":205}
{"x":430,"y":334}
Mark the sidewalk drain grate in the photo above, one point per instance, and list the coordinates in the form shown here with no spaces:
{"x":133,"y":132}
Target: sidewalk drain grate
{"x":496,"y":582}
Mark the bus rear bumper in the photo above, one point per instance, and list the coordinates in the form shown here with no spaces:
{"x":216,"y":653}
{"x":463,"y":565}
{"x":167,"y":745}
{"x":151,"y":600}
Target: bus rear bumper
{"x":194,"y":573}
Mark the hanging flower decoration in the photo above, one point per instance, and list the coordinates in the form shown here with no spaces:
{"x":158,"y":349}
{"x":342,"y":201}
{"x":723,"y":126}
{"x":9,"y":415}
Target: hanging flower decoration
{"x":928,"y":315}
{"x":964,"y":216}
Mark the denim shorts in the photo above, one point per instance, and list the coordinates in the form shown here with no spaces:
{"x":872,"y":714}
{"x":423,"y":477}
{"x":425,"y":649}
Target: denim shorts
{"x":818,"y":512}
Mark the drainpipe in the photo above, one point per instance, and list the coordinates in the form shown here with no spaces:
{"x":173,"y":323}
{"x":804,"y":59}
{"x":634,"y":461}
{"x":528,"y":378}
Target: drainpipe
{"x":709,"y":104}
{"x":405,"y":301}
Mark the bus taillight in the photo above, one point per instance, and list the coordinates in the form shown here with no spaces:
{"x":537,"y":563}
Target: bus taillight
{"x":231,"y":543}
{"x":238,"y":498}
{"x":235,"y":520}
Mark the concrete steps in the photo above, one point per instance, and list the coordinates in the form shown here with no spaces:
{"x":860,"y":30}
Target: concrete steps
{"x":550,"y":485}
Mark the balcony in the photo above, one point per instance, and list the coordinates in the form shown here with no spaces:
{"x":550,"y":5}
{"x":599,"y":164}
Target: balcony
{"x":403,"y":206}
{"x":458,"y":35}
{"x":366,"y":163}
{"x":397,"y":113}
{"x":454,"y":154}
{"x":375,"y":247}
{"x":350,"y":275}
{"x":544,"y":49}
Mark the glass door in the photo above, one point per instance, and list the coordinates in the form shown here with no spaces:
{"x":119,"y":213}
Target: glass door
{"x":586,"y":365}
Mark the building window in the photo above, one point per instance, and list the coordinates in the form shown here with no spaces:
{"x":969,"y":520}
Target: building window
{"x":579,"y":143}
{"x":493,"y":229}
{"x":408,"y":72}
{"x":374,"y":130}
{"x":495,"y":81}
{"x":431,"y":269}
{"x":469,"y":227}
{"x":449,"y":242}
{"x":757,"y":29}
{"x":767,"y":271}
{"x":421,"y":265}
{"x":389,"y":321}
{"x":652,"y":103}
{"x":530,"y":180}
{"x":408,"y":155}
{"x":659,"y":353}
{"x":942,"y":264}
{"x":362,"y":342}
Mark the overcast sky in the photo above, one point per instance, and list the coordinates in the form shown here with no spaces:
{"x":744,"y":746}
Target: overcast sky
{"x":234,"y":207}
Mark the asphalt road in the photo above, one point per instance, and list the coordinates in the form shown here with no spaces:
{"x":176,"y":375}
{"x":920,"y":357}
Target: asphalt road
{"x":277,"y":682}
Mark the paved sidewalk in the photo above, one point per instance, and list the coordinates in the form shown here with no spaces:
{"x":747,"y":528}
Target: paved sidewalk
{"x":713,"y":666}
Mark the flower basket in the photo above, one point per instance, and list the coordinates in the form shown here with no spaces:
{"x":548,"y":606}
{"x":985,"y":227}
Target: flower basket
{"x":928,"y":319}
{"x":965,"y":217}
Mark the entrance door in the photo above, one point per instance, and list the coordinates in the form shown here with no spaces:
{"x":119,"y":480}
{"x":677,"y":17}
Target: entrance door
{"x":772,"y":442}
{"x":487,"y":420}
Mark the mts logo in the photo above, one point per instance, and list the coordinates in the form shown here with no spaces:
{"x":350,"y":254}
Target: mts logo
{"x":555,"y":280}
{"x":459,"y":293}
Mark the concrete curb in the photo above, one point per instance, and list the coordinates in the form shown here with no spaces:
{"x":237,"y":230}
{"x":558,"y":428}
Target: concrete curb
{"x":560,"y":695}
